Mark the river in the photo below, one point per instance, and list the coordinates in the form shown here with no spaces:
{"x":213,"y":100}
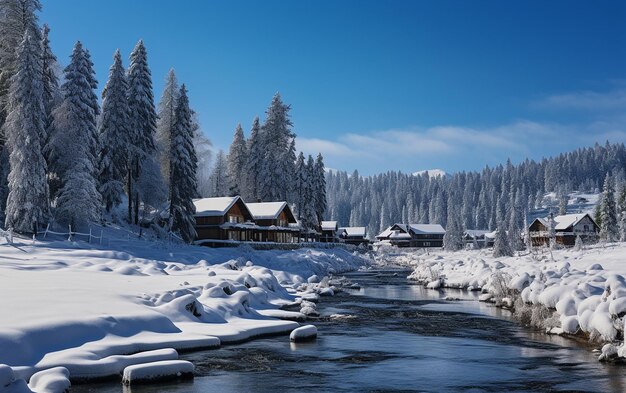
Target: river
{"x":399,"y":337}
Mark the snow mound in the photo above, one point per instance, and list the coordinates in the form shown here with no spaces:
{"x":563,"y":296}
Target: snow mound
{"x":157,"y":371}
{"x":303,"y":333}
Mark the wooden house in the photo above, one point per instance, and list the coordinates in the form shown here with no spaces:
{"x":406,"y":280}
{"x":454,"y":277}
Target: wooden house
{"x":353,"y":235}
{"x":566,"y":228}
{"x":223,"y":220}
{"x":329,"y":231}
{"x":274,"y":222}
{"x":413,"y":235}
{"x":482,"y":237}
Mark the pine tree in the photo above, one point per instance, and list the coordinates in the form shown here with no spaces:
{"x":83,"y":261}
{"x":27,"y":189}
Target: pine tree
{"x":165,"y":122}
{"x":300,"y":188}
{"x":183,"y":166}
{"x":142,"y":123}
{"x":71,"y":154}
{"x":218,"y":179}
{"x":27,"y":203}
{"x":237,"y":162}
{"x":608,"y":211}
{"x":51,"y":93}
{"x":17,"y":18}
{"x":320,"y":188}
{"x":621,"y":209}
{"x":453,"y":238}
{"x":114,"y":136}
{"x":501,"y":246}
{"x":309,"y":216}
{"x":254,"y":162}
{"x":277,"y":137}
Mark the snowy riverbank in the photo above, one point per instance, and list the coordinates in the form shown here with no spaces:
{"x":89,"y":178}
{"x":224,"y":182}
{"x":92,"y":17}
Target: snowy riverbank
{"x":565,"y":292}
{"x":96,"y":310}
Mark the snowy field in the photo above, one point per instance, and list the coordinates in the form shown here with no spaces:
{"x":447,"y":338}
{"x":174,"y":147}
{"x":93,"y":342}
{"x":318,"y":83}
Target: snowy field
{"x":96,"y":310}
{"x":564,"y":291}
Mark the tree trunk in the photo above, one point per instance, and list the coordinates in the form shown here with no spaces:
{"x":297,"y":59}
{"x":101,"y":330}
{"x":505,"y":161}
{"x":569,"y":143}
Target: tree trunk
{"x":130,"y":194}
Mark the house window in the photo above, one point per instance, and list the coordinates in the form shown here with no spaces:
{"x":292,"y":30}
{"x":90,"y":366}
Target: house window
{"x":233,"y":219}
{"x":586,"y":228}
{"x":426,"y":244}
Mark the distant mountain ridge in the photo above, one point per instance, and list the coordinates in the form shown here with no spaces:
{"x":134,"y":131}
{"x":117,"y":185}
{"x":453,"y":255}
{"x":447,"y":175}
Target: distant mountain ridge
{"x":432,"y":173}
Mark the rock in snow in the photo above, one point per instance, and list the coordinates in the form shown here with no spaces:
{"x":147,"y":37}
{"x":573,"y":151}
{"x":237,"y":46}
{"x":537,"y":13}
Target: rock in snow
{"x":303,"y":333}
{"x":157,"y":371}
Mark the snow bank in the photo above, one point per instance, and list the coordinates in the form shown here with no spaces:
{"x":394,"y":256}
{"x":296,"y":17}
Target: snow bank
{"x":102,"y":309}
{"x":157,"y":371}
{"x":303,"y":333}
{"x":568,"y":292}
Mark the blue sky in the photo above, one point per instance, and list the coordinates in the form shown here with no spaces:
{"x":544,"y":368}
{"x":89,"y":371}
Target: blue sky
{"x":380,"y":85}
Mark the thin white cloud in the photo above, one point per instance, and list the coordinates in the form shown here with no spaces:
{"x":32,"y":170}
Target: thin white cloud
{"x":589,"y":101}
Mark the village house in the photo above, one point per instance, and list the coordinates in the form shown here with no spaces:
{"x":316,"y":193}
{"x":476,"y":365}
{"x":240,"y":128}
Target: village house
{"x":223,"y":220}
{"x":353,"y":235}
{"x":482,"y":237}
{"x":274,"y":222}
{"x":329,"y":231}
{"x":413,"y":235}
{"x":566,"y":229}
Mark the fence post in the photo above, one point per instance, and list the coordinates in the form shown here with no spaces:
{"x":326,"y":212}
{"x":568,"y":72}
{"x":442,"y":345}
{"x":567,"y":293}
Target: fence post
{"x":69,"y":238}
{"x":46,"y":232}
{"x":89,"y":235}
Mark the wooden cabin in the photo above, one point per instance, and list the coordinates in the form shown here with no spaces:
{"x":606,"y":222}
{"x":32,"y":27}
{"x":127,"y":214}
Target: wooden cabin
{"x":274,"y":222}
{"x":482,"y":237}
{"x":566,"y":228}
{"x":223,"y":220}
{"x":353,"y":235}
{"x":329,"y":231}
{"x":413,"y":235}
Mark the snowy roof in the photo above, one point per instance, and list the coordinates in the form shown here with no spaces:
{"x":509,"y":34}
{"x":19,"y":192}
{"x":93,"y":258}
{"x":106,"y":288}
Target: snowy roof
{"x":567,"y":220}
{"x":210,"y":207}
{"x":266,"y":210}
{"x":385,"y":234}
{"x":329,"y":225}
{"x":427,"y":228}
{"x":354,"y":231}
{"x":399,"y":235}
{"x":476,"y":232}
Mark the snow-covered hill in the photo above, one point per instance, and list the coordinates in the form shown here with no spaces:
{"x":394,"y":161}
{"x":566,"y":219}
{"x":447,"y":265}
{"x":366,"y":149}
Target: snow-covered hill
{"x":432,"y":173}
{"x":577,"y":202}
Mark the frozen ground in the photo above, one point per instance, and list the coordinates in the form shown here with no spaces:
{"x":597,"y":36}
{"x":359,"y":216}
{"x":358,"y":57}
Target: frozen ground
{"x":565,"y":292}
{"x":95,"y":310}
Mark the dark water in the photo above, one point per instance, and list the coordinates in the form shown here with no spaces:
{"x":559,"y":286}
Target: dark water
{"x":400,"y":338}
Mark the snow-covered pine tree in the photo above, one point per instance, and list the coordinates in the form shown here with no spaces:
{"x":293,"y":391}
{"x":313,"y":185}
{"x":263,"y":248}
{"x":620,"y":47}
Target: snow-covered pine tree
{"x":237,"y":162}
{"x":578,"y":244}
{"x":27,"y":203}
{"x":142,"y":123}
{"x":320,"y":188}
{"x":277,"y":137}
{"x":621,"y":209}
{"x":183,"y":166}
{"x":71,"y":158}
{"x":309,"y":217}
{"x":165,"y":123}
{"x":608,"y":212}
{"x":288,"y":161}
{"x":114,"y":136}
{"x":453,"y":238}
{"x":203,"y":148}
{"x":51,"y":93}
{"x":17,"y":18}
{"x":501,"y":246}
{"x":254,"y":162}
{"x":218,"y":179}
{"x":300,"y":187}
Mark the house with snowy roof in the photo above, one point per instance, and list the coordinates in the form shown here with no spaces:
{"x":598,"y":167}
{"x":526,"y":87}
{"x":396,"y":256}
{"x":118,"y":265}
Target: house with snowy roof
{"x":482,"y":237}
{"x":566,"y":228}
{"x":223,"y":219}
{"x":413,"y":235}
{"x":353,"y":235}
{"x":329,"y":231}
{"x":274,"y":222}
